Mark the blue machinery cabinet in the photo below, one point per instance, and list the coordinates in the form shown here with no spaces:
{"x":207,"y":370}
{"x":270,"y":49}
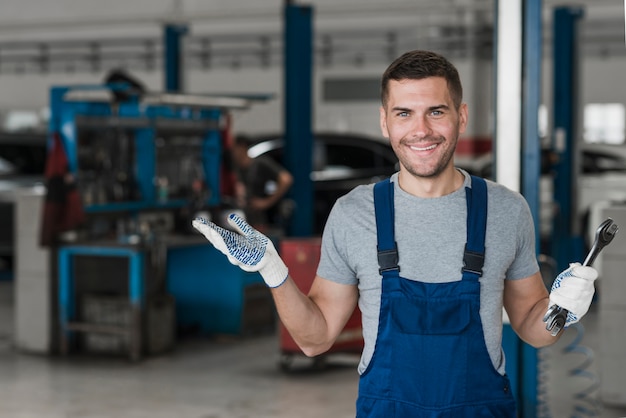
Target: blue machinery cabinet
{"x":80,"y":110}
{"x":209,"y":291}
{"x":147,"y":136}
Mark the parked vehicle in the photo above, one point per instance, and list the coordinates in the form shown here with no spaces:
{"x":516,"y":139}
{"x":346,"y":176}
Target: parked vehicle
{"x":343,"y":161}
{"x":340,"y":163}
{"x":602,"y":177}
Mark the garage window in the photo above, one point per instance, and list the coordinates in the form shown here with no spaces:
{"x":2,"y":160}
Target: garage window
{"x":604,"y":123}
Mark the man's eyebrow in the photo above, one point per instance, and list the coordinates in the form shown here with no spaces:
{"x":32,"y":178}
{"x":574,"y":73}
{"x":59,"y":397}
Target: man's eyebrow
{"x":430,"y":109}
{"x":401,"y":109}
{"x":439,"y":107}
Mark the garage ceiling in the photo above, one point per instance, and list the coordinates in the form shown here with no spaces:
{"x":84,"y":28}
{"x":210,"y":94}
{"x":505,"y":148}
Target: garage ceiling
{"x":352,"y":32}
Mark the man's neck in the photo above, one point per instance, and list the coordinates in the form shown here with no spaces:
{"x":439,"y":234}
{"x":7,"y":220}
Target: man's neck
{"x":428,"y":187}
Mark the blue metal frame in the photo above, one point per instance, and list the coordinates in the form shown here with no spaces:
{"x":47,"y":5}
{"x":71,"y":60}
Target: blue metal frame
{"x":66,"y":278}
{"x":145,"y":166}
{"x":298,"y":39}
{"x":63,"y":123}
{"x":211,"y":158}
{"x":567,"y":241}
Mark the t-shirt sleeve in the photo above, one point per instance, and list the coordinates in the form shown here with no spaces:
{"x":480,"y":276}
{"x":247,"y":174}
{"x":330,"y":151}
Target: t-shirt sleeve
{"x":333,"y":263}
{"x":525,"y":263}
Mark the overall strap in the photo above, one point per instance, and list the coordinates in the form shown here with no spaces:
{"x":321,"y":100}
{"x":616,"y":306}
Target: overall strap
{"x":474,"y":255}
{"x":383,"y":209}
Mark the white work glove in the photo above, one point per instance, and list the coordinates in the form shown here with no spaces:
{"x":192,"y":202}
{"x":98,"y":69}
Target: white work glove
{"x":246,"y":248}
{"x":573,"y":290}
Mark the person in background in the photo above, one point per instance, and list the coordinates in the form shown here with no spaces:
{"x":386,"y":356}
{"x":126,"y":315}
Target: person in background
{"x":261,"y":184}
{"x":431,"y":257}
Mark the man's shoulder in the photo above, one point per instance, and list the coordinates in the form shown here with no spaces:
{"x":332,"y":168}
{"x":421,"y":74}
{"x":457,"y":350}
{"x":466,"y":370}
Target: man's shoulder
{"x":359,"y":194}
{"x":504,"y":202}
{"x":264,"y":166}
{"x":500,"y":191}
{"x":359,"y":200}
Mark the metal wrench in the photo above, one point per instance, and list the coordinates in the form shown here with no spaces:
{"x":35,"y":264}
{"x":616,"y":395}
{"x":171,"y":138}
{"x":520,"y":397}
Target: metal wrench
{"x":556,"y":316}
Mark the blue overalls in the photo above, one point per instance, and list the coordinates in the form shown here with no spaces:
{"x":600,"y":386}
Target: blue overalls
{"x":430,"y":358}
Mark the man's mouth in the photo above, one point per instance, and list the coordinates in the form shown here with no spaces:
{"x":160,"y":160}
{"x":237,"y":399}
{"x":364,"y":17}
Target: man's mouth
{"x":426,"y":148}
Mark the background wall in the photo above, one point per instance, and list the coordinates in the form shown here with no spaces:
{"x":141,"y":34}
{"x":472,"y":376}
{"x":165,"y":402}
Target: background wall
{"x":422,"y":24}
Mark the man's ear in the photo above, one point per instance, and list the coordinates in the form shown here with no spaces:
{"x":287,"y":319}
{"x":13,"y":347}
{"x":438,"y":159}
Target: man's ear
{"x":383,"y":122}
{"x":463,"y":117}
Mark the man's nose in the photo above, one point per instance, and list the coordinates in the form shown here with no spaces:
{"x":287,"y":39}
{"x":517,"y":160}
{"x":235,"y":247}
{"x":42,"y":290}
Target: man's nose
{"x":421,"y":127}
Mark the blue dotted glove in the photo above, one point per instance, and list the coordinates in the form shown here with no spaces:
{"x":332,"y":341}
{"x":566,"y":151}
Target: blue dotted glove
{"x":246,"y":248}
{"x":573,"y":290}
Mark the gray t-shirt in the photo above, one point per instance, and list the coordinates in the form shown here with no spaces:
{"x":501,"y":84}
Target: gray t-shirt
{"x":431,"y":236}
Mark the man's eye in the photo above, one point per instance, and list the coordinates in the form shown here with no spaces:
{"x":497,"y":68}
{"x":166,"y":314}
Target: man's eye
{"x":436,"y":113}
{"x":403,"y":114}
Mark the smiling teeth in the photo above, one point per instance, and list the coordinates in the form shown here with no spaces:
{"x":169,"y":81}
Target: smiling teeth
{"x":423,"y":149}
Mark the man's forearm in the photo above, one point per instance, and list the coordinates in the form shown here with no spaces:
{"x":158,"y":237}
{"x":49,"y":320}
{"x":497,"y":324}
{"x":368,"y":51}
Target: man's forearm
{"x":533,"y":330}
{"x":302,"y":318}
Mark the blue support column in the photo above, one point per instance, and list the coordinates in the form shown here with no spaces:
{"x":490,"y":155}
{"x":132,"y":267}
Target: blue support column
{"x":172,"y":57}
{"x":531,"y":144}
{"x":298,"y":68}
{"x":531,"y":171}
{"x":567,"y":242}
{"x":521,"y":358}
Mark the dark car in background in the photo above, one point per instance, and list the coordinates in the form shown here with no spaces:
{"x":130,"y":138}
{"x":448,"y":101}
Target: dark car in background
{"x":601,"y":177}
{"x":340,"y":162}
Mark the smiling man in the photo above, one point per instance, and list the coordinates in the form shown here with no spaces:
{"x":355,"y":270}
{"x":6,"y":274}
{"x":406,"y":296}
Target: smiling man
{"x":423,"y":123}
{"x":431,"y":256}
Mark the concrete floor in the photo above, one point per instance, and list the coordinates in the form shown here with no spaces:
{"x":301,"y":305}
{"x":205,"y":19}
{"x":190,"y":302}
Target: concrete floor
{"x":211,"y":378}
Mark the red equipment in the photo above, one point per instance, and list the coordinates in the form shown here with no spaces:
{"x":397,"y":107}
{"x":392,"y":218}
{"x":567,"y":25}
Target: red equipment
{"x":302,"y":255}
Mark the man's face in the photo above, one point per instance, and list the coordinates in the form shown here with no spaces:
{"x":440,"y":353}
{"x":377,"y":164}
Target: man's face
{"x":422,"y":125}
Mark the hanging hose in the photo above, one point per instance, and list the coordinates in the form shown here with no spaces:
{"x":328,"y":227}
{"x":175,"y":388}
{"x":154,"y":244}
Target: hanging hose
{"x":543,"y":365}
{"x":586,"y":403}
{"x":547,"y":265}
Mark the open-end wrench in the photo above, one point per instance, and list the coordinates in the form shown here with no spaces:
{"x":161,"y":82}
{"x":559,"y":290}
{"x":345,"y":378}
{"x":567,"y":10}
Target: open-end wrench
{"x":556,"y":316}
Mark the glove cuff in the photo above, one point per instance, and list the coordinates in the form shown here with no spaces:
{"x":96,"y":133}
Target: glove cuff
{"x":275,"y":273}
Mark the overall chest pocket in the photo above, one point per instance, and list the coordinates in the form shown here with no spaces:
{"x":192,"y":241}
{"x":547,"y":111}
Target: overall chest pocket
{"x":431,"y":316}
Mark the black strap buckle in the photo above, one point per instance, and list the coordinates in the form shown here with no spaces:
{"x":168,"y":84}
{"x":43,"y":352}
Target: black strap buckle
{"x":388,"y":260}
{"x":473,"y":262}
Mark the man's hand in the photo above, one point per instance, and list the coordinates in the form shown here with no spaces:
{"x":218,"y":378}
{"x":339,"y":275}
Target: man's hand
{"x":573,"y":290}
{"x":246,"y":248}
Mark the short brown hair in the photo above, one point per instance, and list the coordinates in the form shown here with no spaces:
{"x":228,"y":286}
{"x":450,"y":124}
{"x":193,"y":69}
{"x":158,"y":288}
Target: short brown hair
{"x":419,"y":64}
